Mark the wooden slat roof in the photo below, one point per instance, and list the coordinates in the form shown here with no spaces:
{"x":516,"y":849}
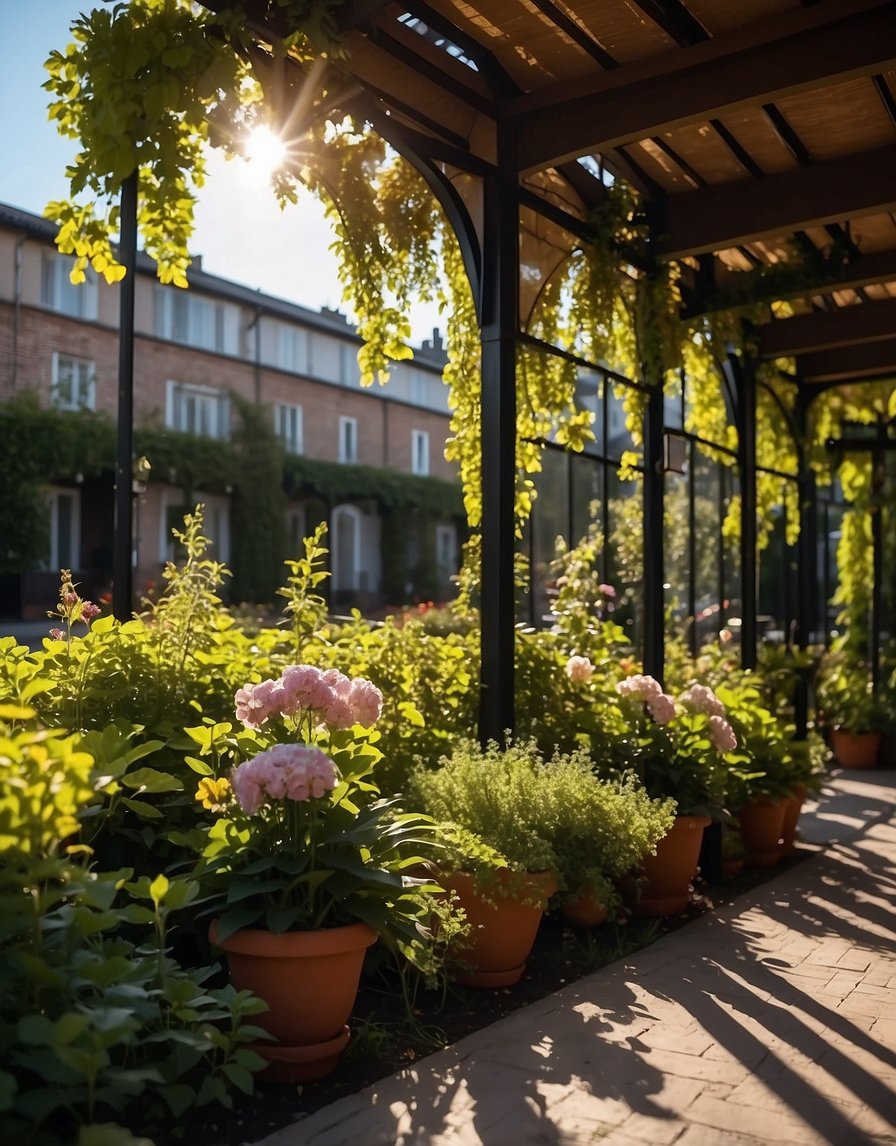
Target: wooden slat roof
{"x":759,"y":132}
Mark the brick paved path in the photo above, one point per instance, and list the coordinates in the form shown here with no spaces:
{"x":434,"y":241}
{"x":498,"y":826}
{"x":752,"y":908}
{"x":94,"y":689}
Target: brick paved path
{"x":769,"y":1021}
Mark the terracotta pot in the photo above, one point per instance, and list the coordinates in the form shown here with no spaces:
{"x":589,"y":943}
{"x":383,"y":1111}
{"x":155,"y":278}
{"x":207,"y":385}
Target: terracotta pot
{"x":791,"y":817}
{"x":584,"y":910}
{"x":731,"y":868}
{"x":761,"y":827}
{"x":503,"y":925}
{"x":667,"y":889}
{"x":309,"y":979}
{"x":855,"y":749}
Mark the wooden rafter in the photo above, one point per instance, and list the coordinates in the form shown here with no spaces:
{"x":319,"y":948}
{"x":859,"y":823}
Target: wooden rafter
{"x":756,"y":64}
{"x":805,"y":333}
{"x":721,"y":216}
{"x":861,"y":362}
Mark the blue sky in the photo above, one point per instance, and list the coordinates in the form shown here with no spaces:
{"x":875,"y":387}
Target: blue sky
{"x":241,"y":233}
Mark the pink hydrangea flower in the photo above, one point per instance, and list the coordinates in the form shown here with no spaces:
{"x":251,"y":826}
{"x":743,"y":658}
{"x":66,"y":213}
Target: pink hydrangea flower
{"x":579,"y":669}
{"x":640,"y":687}
{"x":57,"y":634}
{"x":89,"y":611}
{"x":608,"y":591}
{"x":285,"y":771}
{"x":366,"y":701}
{"x":700,"y":698}
{"x":662,"y":708}
{"x":722,"y":734}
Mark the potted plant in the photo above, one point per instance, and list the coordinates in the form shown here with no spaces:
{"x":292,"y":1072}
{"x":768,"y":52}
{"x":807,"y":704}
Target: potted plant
{"x":303,"y":864}
{"x":849,"y":709}
{"x":523,"y":828}
{"x":678,"y":748}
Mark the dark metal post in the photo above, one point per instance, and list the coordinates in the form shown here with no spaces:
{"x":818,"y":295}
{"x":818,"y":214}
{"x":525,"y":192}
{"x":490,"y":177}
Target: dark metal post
{"x":654,"y":571}
{"x":123,"y":541}
{"x":877,"y":554}
{"x":500,"y":323}
{"x":807,"y":563}
{"x":744,"y":371}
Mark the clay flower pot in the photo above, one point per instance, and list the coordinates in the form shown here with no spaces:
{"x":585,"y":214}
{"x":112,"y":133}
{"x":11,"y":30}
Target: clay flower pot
{"x":855,"y":749}
{"x":791,"y":817}
{"x":503,"y":925}
{"x":667,"y":889}
{"x":761,"y":826}
{"x":309,"y":979}
{"x":584,"y":910}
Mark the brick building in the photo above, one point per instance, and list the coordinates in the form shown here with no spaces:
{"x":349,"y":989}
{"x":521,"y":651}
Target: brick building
{"x":200,"y":356}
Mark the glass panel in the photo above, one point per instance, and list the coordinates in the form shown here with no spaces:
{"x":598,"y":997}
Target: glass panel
{"x":549,"y":521}
{"x":624,"y":559}
{"x":677,"y":556}
{"x":709,"y":605}
{"x":587,"y":495}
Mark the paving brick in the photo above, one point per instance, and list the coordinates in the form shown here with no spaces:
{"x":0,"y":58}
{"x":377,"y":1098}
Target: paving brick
{"x":755,"y":1026}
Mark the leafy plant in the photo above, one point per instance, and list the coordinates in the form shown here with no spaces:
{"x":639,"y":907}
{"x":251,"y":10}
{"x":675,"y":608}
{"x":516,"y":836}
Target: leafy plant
{"x":511,"y":807}
{"x":98,"y":1021}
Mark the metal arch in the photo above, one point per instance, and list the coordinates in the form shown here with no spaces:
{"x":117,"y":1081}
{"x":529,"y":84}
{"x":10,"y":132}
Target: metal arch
{"x":410,"y":144}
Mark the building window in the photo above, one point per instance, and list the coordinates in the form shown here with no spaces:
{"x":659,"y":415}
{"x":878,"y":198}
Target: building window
{"x":288,"y":427}
{"x":199,"y":410}
{"x":420,"y":452}
{"x":215,"y":525}
{"x":73,"y":383}
{"x":292,"y":349}
{"x":194,"y":321}
{"x":348,"y":439}
{"x":446,"y":550}
{"x":65,"y":528}
{"x":57,"y":291}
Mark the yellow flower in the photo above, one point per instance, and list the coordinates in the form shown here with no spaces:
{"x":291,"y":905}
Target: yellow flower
{"x":212,"y":793}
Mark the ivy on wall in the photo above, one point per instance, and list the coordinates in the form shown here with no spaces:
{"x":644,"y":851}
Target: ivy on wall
{"x":46,"y":445}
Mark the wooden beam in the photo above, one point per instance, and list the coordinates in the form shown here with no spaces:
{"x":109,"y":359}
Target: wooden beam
{"x":756,"y":63}
{"x":805,"y":333}
{"x":738,"y":288}
{"x":729,"y":214}
{"x":860,"y":363}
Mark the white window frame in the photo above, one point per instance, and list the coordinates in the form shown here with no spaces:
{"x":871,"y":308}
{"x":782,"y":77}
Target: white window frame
{"x":56,"y":560}
{"x":352,"y":515}
{"x":59,"y":293}
{"x":81,"y":381}
{"x":212,"y":409}
{"x":348,"y":439}
{"x":289,"y":428}
{"x":195,"y":320}
{"x":420,"y":453}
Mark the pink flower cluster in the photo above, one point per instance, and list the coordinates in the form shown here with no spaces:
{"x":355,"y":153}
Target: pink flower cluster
{"x":700,"y":698}
{"x":660,"y":705}
{"x":722,"y":734}
{"x":579,"y":669}
{"x":328,"y":694}
{"x":284,"y":772}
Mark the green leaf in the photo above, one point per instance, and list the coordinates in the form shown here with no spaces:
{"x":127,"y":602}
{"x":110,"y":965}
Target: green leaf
{"x":36,"y":1030}
{"x":239,"y":1076}
{"x":178,"y":1097}
{"x":147,"y":811}
{"x":151,"y":780}
{"x":109,"y":1134}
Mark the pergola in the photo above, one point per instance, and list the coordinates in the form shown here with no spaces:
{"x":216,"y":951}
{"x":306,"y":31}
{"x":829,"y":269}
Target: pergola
{"x":752,"y":131}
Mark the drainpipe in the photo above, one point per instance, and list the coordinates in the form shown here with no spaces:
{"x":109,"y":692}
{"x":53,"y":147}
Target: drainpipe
{"x":17,"y":306}
{"x":255,"y":327}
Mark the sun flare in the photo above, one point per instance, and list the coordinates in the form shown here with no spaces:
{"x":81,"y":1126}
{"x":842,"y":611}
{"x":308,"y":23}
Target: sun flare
{"x":264,"y":151}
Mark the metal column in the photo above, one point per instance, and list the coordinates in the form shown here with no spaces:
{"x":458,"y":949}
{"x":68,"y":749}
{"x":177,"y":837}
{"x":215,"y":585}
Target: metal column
{"x":123,"y":540}
{"x":744,"y":371}
{"x":500,"y":323}
{"x":654,"y":568}
{"x":807,"y":619}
